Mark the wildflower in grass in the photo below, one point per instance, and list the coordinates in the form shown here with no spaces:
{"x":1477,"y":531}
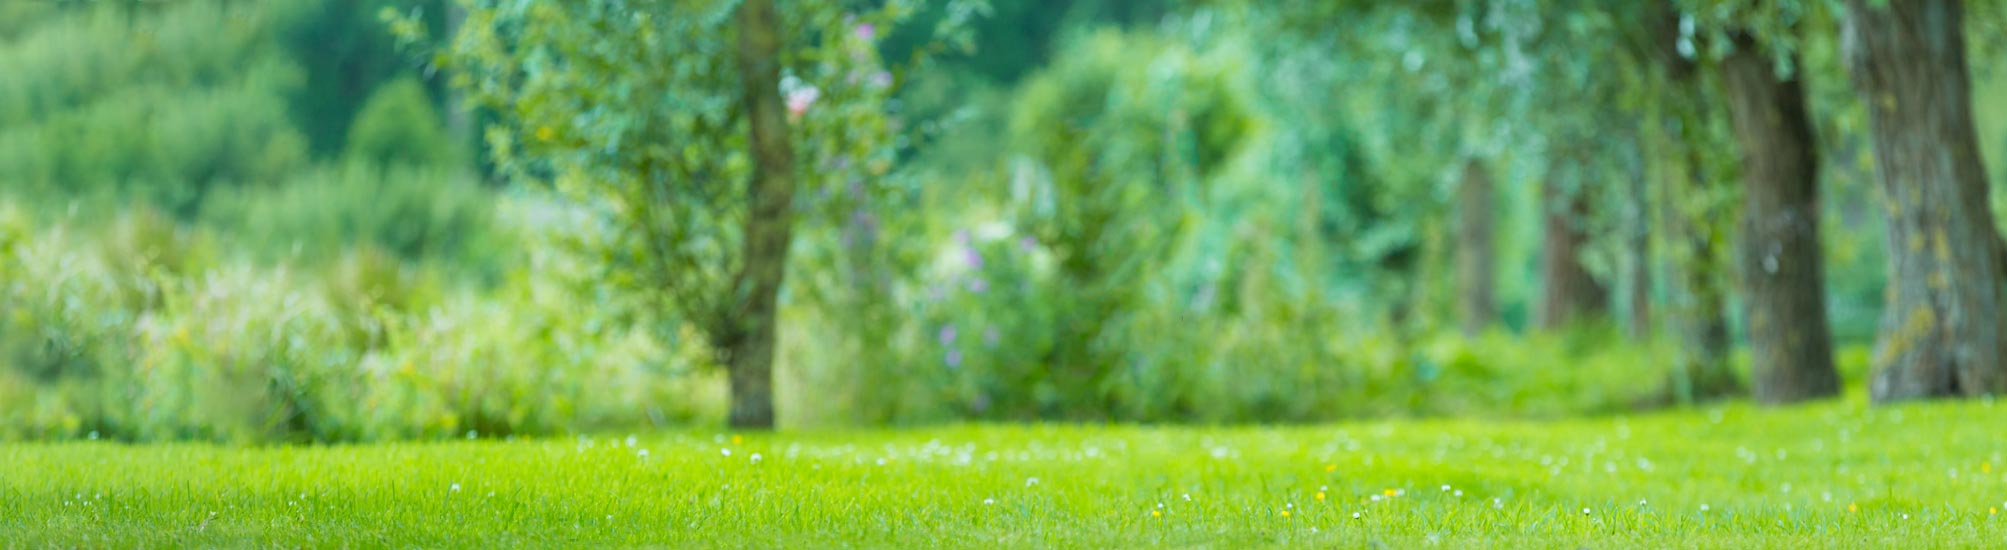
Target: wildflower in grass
{"x":1330,"y":467}
{"x":1458,"y":492}
{"x":1355,"y":515}
{"x":1446,"y":488}
{"x":630,"y":440}
{"x":1376,"y":498}
{"x":1030,"y":481}
{"x":642,"y":453}
{"x":1156,"y":513}
{"x":953,"y":358}
{"x":1703,"y":507}
{"x":726,"y":452}
{"x":1853,"y":508}
{"x":455,"y":488}
{"x":1392,"y":492}
{"x":1285,"y":513}
{"x":989,"y":501}
{"x":737,"y":439}
{"x":1188,"y":497}
{"x":1585,"y":511}
{"x":1320,"y":496}
{"x":755,"y":458}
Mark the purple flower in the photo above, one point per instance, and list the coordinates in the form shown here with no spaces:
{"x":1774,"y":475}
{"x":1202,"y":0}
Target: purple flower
{"x":972,"y":257}
{"x":947,"y":335}
{"x":978,"y":285}
{"x":953,"y":358}
{"x":866,"y":32}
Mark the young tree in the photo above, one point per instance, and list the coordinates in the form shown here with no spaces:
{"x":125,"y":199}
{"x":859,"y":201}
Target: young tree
{"x":1942,"y":332}
{"x":749,"y":337}
{"x":682,"y":124}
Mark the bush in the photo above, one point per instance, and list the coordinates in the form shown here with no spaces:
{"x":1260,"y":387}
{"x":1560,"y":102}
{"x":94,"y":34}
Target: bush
{"x":140,"y":332}
{"x":416,"y":214}
{"x":398,"y":126}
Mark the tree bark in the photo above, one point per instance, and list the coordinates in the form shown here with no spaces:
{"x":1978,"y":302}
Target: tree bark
{"x":1476,"y":250}
{"x":753,"y":334}
{"x":1942,"y":331}
{"x":1783,"y":275}
{"x":1569,"y":292}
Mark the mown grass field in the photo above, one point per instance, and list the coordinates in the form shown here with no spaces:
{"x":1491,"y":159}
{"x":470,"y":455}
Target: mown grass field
{"x":1830,"y":475}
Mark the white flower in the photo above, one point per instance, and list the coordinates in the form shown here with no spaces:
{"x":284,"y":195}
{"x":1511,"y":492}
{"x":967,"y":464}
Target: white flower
{"x":1030,"y":481}
{"x":989,"y":501}
{"x":455,"y":488}
{"x":643,"y":453}
{"x":756,"y":458}
{"x":727,"y":452}
{"x":1355,"y":515}
{"x":630,"y":440}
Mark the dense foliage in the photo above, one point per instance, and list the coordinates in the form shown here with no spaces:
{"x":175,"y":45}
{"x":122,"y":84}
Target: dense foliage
{"x":342,"y":220}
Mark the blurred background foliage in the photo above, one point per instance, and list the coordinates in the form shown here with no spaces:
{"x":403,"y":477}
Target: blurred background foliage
{"x":266,"y":221}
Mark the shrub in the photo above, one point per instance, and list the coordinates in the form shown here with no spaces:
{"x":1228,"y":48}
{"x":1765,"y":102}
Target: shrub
{"x":398,"y":126}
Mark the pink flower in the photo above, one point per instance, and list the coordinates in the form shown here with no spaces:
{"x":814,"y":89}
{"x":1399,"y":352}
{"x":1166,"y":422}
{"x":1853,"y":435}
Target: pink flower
{"x":947,"y":335}
{"x":866,"y":32}
{"x":799,"y":99}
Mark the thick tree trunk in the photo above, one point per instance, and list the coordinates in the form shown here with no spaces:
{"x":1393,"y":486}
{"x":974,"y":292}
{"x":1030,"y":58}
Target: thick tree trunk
{"x":1783,"y":275}
{"x":1699,"y":310}
{"x":1569,"y":292}
{"x":1942,"y":330}
{"x":1476,"y":250}
{"x":750,"y":342}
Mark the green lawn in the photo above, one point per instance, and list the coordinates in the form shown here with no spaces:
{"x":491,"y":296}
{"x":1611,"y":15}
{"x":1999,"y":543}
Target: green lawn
{"x":1836,"y":474}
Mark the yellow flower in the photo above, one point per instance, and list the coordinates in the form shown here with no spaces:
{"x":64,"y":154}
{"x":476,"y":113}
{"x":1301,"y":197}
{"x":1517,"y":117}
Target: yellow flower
{"x":1320,"y":496}
{"x":1986,"y":468}
{"x":1992,"y":511}
{"x":1156,"y":513}
{"x":1852,"y":508}
{"x":1285,"y":513}
{"x":736,"y":439}
{"x":1391,"y":492}
{"x":1331,"y":467}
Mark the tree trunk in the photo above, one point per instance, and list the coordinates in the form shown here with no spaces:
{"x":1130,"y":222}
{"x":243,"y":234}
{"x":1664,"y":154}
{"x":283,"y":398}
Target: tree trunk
{"x":1638,"y":283}
{"x":1699,"y":310}
{"x":1476,"y":250}
{"x":1569,"y":293}
{"x":1942,"y":331}
{"x":1783,"y":275}
{"x":750,"y":341}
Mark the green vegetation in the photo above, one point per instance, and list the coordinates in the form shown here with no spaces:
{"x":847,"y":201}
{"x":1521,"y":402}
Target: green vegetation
{"x":1836,"y":474}
{"x":1571,"y":273}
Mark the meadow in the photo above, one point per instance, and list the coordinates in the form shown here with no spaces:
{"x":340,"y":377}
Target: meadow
{"x":1835,"y":474}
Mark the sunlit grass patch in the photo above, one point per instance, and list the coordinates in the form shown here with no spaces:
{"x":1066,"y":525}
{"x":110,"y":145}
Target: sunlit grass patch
{"x":1825,"y":475}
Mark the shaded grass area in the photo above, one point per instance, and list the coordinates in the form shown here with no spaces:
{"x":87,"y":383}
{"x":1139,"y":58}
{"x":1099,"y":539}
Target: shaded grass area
{"x":1831,"y":474}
